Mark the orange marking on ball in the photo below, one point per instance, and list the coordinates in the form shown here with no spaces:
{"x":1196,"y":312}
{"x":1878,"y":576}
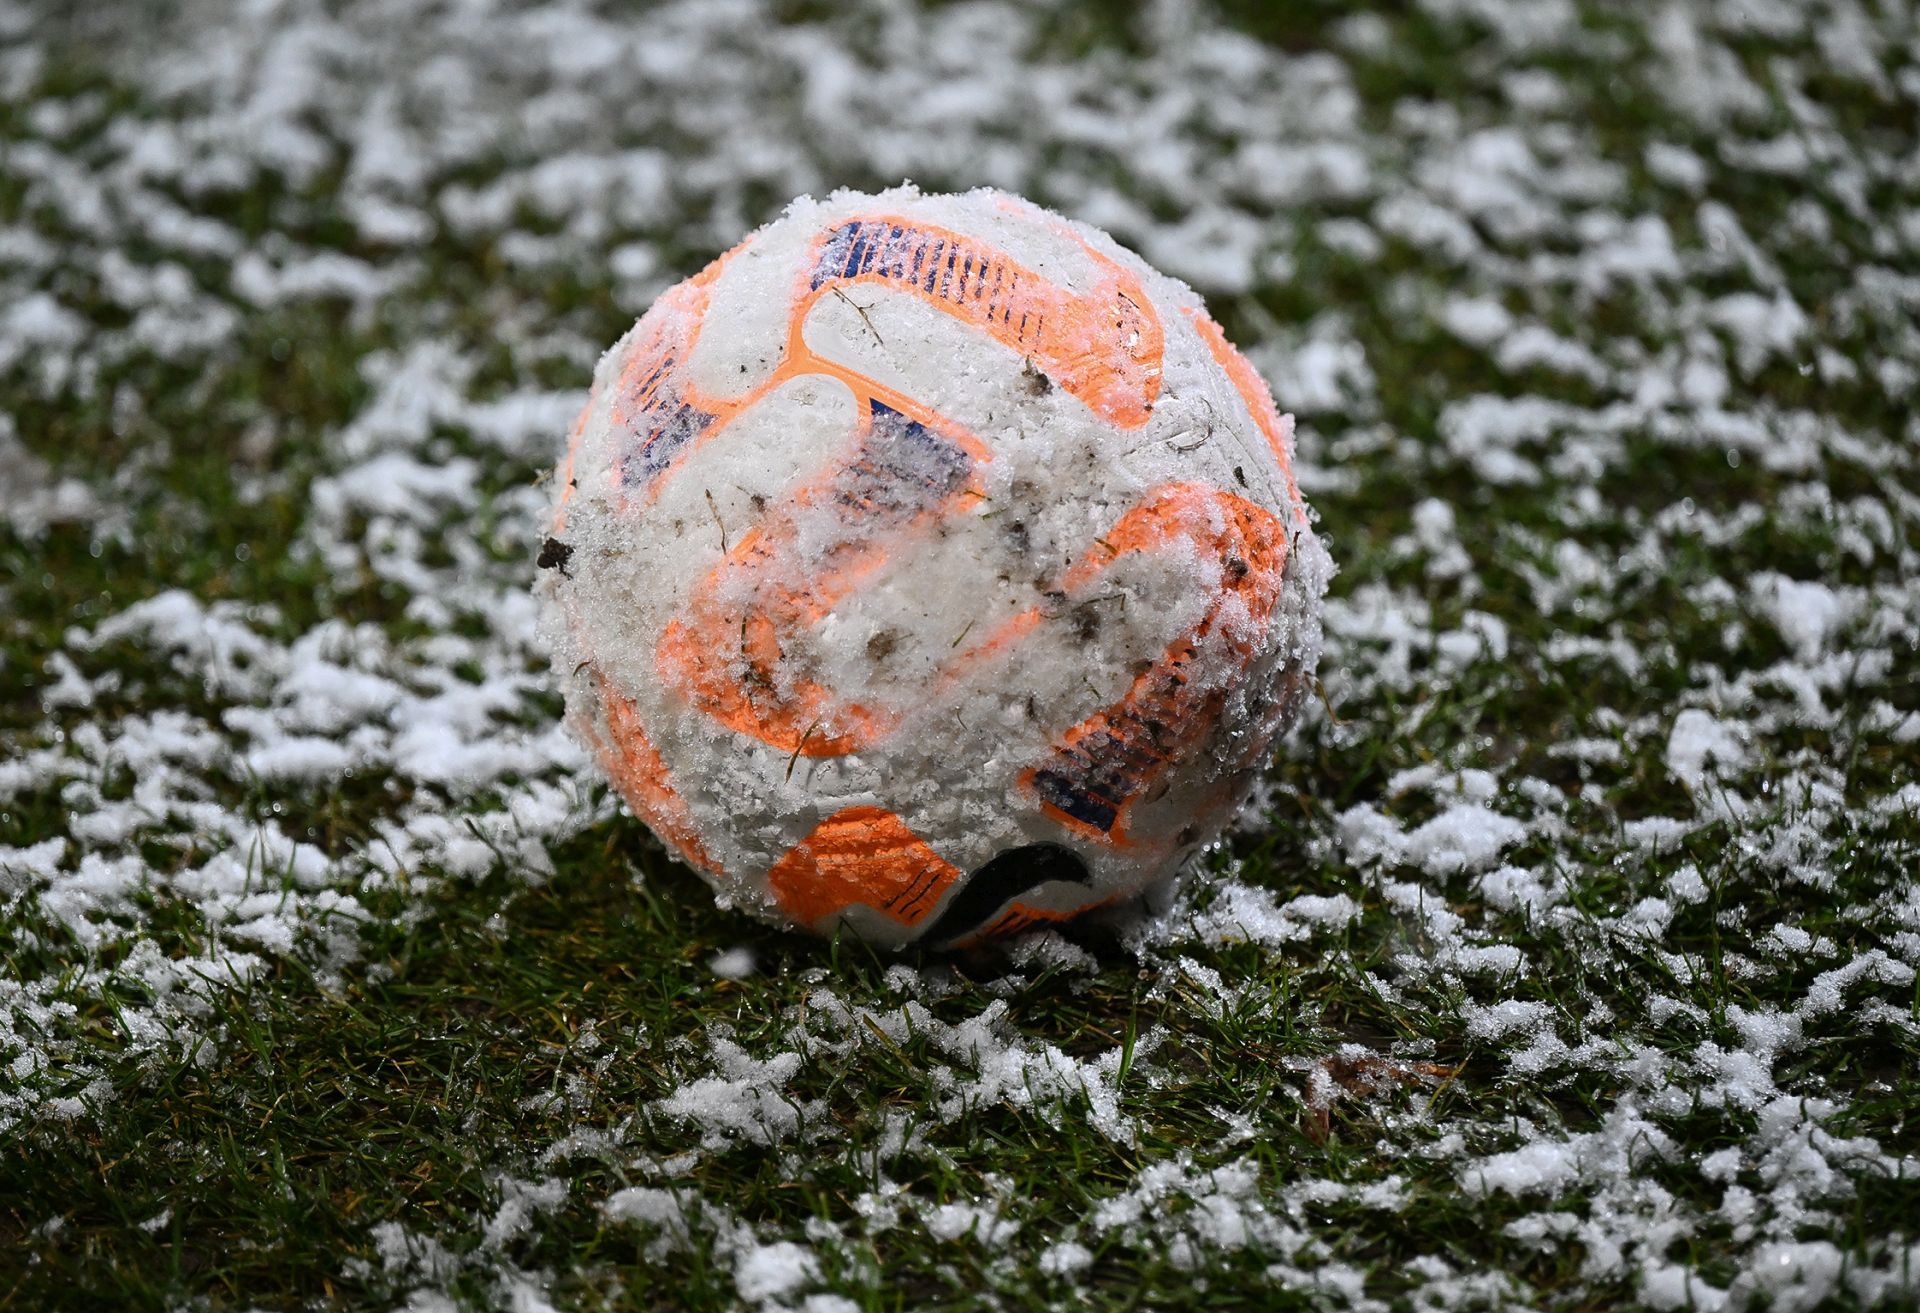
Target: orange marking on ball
{"x":1104,"y":345}
{"x":1018,"y":917}
{"x":1104,"y":764}
{"x":648,"y":396}
{"x":727,"y":651}
{"x":574,"y":435}
{"x":861,"y":855}
{"x":728,"y":658}
{"x":632,"y":763}
{"x":1254,"y":392}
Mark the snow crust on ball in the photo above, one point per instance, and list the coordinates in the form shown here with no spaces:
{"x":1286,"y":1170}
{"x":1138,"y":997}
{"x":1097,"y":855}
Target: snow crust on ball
{"x":924,"y":536}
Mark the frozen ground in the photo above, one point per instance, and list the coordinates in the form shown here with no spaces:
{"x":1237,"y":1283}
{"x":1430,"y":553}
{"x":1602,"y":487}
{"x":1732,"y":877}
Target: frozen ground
{"x":1571,"y":961}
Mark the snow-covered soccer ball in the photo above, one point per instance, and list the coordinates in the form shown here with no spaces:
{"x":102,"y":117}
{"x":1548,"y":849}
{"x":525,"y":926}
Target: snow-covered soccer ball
{"x":932,"y":567}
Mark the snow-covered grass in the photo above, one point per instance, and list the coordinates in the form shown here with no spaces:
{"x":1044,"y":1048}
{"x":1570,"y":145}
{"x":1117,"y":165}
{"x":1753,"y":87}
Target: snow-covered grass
{"x":1568,"y":961}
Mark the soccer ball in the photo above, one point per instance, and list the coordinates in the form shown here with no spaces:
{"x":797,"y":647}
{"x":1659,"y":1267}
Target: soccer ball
{"x":932,"y":568}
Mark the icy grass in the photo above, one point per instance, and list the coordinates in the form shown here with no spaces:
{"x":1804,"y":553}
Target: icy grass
{"x":1570,"y":960}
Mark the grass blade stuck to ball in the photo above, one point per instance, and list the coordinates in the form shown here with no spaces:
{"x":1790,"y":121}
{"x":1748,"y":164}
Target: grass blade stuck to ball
{"x":930,"y":566}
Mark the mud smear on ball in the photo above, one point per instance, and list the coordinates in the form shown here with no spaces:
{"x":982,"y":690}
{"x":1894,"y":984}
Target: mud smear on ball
{"x":554,"y":555}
